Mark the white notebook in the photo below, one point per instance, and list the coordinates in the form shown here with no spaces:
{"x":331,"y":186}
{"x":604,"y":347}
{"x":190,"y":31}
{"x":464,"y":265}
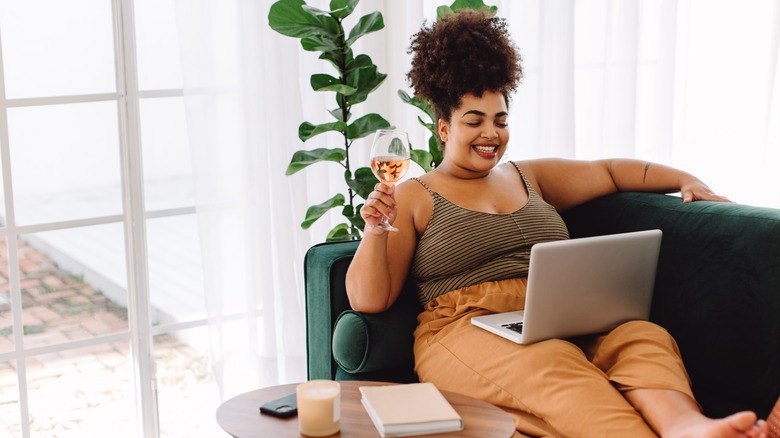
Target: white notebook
{"x":409,"y":409}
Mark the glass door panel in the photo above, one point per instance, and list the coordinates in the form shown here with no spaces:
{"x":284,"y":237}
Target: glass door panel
{"x":82,"y":392}
{"x":57,"y":48}
{"x":187,"y":394}
{"x":168,"y":173}
{"x":157,"y":43}
{"x":175,"y":269}
{"x":74,"y":284}
{"x":6,"y":314}
{"x":65,"y":161}
{"x":10,"y":415}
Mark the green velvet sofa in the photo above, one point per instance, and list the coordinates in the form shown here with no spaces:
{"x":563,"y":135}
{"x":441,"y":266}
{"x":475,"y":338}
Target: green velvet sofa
{"x":717,"y":291}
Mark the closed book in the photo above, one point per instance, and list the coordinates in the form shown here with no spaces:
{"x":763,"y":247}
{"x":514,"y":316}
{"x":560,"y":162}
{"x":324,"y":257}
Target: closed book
{"x":409,"y":409}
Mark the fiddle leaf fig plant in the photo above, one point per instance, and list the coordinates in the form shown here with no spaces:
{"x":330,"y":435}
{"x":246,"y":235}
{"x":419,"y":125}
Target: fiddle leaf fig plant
{"x":355,"y":77}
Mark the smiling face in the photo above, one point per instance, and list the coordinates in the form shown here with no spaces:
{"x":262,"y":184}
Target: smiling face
{"x":476,"y":136}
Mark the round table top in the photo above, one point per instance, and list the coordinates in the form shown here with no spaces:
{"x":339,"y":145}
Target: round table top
{"x":240,"y":416}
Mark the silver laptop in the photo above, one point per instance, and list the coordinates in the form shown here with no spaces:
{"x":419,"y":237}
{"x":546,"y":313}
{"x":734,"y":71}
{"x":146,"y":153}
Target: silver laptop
{"x":582,"y":286}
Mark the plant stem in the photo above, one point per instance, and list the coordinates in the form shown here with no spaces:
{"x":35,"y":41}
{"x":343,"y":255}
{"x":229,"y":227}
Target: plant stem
{"x":345,"y":110}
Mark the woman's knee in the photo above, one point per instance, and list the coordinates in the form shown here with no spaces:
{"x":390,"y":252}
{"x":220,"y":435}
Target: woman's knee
{"x":641,"y":326}
{"x":638,"y":331}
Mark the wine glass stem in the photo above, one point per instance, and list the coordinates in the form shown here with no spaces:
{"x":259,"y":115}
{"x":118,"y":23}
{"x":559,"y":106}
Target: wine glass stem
{"x":384,"y":218}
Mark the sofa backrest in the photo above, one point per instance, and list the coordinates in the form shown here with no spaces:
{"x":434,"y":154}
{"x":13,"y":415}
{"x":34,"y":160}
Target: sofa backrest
{"x":717,"y":289}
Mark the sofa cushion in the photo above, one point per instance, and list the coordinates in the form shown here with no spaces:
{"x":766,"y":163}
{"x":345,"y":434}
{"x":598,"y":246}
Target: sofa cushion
{"x":367,"y":342}
{"x":351,"y":342}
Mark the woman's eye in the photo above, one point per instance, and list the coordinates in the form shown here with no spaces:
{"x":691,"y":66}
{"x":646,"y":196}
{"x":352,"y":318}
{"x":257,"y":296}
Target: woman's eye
{"x":502,"y":124}
{"x":473,"y":123}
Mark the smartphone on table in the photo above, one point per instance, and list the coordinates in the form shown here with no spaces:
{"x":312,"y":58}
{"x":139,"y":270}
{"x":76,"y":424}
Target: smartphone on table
{"x":283,"y":407}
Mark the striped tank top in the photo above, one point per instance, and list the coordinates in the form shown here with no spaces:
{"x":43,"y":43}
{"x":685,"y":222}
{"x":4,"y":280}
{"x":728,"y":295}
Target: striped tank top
{"x":462,"y":247}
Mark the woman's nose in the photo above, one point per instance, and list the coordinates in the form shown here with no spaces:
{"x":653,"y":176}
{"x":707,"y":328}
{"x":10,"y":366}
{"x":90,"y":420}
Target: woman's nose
{"x":489,"y":132}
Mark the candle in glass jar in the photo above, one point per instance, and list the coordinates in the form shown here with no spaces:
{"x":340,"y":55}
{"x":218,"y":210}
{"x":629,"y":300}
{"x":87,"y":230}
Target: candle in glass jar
{"x":319,"y":407}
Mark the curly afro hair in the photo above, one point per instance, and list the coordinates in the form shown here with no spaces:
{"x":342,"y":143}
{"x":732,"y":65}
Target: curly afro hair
{"x":467,"y":52}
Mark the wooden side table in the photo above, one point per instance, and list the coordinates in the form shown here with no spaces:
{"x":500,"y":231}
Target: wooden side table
{"x":240,"y":416}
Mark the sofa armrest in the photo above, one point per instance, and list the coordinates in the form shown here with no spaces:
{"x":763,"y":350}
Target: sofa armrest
{"x":343,"y":344}
{"x":325,"y":267}
{"x":717,"y":289}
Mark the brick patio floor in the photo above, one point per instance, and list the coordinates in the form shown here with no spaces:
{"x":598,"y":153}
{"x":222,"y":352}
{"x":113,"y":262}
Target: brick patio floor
{"x":89,"y":391}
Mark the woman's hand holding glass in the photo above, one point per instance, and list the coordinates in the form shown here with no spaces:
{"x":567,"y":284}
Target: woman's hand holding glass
{"x":380,"y":206}
{"x":389,"y":162}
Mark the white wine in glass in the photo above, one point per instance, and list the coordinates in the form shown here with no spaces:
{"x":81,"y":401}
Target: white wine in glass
{"x":389,"y":161}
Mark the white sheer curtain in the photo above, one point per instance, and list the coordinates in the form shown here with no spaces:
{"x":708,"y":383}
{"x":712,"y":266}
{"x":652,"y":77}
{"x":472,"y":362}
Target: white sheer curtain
{"x":243,"y":107}
{"x":690,"y":83}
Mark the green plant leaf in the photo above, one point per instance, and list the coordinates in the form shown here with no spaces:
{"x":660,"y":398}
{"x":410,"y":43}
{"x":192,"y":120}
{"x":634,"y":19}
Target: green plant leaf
{"x":423,"y":159}
{"x":303,"y":159}
{"x":338,"y":114}
{"x":331,"y":25}
{"x":429,"y":126}
{"x":366,"y":125}
{"x":319,"y":43}
{"x":365,"y":81}
{"x":421,"y":104}
{"x":436,"y":153}
{"x":314,"y":11}
{"x":362,"y":74}
{"x":367,"y":24}
{"x":405,"y":97}
{"x":324,"y":82}
{"x":334,"y":57}
{"x":317,"y":211}
{"x":362,"y":61}
{"x":472,"y":4}
{"x":443,"y":11}
{"x":307,"y":130}
{"x":354,"y":218}
{"x":289,"y":18}
{"x":342,"y":8}
{"x":339,"y":233}
{"x":363,"y":183}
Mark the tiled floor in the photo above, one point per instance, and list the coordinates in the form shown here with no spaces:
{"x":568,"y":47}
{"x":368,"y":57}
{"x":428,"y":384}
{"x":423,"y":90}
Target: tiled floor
{"x":89,"y":391}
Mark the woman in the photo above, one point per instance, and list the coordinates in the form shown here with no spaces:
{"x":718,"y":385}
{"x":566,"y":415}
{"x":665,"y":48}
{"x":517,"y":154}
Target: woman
{"x":466,"y":229}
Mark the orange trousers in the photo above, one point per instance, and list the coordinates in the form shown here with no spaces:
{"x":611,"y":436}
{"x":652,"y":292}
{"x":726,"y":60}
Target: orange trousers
{"x":566,"y":388}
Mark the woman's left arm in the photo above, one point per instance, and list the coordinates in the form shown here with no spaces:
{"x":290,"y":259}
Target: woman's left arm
{"x":567,"y":183}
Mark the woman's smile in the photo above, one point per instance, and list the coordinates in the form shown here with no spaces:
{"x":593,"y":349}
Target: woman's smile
{"x":486,"y":151}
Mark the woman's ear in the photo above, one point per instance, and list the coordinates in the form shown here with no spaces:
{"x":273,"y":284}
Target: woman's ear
{"x":444,"y":130}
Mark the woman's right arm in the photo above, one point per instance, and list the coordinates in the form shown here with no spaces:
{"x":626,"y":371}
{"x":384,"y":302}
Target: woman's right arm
{"x":378,"y":270}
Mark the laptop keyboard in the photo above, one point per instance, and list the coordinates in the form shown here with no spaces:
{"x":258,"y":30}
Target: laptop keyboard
{"x":514,"y":326}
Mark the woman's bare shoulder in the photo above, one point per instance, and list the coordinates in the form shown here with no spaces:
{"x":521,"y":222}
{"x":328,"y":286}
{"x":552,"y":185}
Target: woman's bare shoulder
{"x":415,"y":201}
{"x":410,"y":187}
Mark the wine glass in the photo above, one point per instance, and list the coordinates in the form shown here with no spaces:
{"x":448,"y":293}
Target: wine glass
{"x":389,"y":161}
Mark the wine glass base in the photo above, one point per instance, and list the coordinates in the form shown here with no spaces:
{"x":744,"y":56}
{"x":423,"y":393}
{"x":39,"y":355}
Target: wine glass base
{"x":381,"y":226}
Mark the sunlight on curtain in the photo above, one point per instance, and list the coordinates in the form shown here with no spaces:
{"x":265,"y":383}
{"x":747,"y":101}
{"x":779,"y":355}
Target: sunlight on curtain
{"x":690,"y":83}
{"x":241,"y":114}
{"x":724,"y":97}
